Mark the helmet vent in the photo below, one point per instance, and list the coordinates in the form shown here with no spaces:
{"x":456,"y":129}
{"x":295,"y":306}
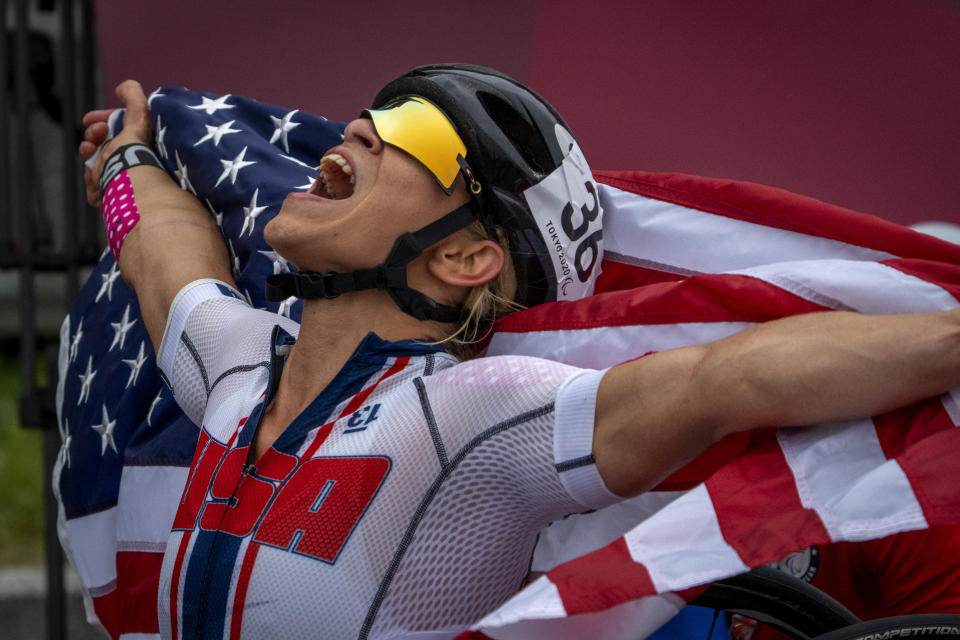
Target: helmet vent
{"x":518,"y":128}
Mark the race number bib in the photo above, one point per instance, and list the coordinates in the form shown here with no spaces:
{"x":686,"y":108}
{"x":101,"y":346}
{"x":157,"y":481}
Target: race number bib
{"x":567,"y":209}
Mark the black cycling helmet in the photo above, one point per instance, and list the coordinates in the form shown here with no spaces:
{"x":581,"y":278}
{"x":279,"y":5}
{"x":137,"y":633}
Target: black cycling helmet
{"x":527,"y":177}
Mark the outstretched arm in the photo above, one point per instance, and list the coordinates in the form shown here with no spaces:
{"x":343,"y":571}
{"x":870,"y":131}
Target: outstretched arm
{"x":657,"y":413}
{"x":176,"y":241}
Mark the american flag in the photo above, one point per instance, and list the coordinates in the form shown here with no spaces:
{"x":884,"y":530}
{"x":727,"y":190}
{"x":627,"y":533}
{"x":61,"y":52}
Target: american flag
{"x":687,"y":260}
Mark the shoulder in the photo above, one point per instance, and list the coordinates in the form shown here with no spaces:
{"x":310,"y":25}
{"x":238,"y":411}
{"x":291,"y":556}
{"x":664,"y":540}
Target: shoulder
{"x":505,"y":372}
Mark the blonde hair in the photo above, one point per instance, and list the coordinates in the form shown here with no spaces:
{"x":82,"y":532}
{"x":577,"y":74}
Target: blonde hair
{"x":484,"y":304}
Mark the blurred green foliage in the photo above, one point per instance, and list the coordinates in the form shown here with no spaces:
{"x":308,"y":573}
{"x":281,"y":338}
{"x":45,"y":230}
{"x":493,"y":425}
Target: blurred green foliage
{"x":21,"y":476}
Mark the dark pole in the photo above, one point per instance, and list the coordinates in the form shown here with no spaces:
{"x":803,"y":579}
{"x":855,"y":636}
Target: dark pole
{"x":6,"y":210}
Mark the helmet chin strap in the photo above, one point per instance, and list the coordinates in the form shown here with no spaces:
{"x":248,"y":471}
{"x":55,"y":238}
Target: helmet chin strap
{"x":389,"y":276}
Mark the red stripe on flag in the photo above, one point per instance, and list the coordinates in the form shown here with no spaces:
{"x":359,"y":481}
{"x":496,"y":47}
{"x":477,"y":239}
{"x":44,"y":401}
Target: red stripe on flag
{"x":703,"y":466}
{"x":781,"y":209}
{"x":138,"y":575}
{"x":107,"y":608}
{"x":700,"y":298}
{"x":602,"y":579}
{"x":617,"y":275}
{"x":898,"y":430}
{"x":175,"y":585}
{"x":931,"y":467}
{"x":758,"y":508}
{"x":240,"y":595}
{"x":946,"y":276}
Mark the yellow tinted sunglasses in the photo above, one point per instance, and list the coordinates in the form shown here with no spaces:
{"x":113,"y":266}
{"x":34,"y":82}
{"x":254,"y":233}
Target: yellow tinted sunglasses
{"x":418,"y":127}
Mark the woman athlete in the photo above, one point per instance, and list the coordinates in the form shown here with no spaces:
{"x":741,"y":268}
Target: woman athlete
{"x":352,"y":478}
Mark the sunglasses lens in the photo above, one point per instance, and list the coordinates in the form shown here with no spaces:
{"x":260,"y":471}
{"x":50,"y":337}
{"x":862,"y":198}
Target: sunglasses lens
{"x":418,"y":127}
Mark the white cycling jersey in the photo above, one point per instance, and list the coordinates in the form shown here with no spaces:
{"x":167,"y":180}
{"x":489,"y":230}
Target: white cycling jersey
{"x":404,"y":502}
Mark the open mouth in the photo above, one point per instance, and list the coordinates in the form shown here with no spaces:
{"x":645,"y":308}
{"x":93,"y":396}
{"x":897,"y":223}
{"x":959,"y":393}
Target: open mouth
{"x":335,"y":179}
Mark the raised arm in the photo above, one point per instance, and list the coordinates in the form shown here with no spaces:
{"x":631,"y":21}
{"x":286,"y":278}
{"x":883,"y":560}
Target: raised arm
{"x":657,"y":413}
{"x":176,"y":240}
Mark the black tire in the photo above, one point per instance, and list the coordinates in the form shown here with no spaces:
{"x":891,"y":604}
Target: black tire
{"x":780,"y":601}
{"x":928,"y":626}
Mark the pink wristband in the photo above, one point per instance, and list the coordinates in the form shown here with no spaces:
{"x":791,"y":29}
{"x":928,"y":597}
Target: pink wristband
{"x":119,"y":211}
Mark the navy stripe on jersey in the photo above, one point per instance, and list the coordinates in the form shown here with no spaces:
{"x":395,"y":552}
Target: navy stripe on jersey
{"x":207,"y":584}
{"x":185,"y":339}
{"x":428,"y":498}
{"x":575,"y":463}
{"x":431,"y":422}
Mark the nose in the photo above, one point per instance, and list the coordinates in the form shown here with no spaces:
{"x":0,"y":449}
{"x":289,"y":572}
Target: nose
{"x":362,"y":130}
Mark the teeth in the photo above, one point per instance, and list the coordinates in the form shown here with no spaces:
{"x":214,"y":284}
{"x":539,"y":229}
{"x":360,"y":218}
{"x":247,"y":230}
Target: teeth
{"x":341,"y":162}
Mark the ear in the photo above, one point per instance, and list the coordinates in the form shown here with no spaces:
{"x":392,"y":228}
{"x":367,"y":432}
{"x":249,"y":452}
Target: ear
{"x":465,"y":261}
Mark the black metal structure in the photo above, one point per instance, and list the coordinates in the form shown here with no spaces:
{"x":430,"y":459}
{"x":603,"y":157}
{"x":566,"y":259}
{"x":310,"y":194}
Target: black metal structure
{"x":50,"y":79}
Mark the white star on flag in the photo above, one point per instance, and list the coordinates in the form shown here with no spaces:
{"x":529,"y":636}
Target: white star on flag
{"x":153,"y":405}
{"x":283,"y":126}
{"x":121,"y":328}
{"x":161,"y":132}
{"x":85,"y":379}
{"x":279,"y":264}
{"x":67,"y":440}
{"x":250,"y":213}
{"x":236,"y":259}
{"x":299,"y":162}
{"x":211,"y":106}
{"x":217,"y":215}
{"x":215,"y":133}
{"x":75,"y":343}
{"x":156,"y":94}
{"x":232,"y":167}
{"x":135,"y":366}
{"x":105,"y":429}
{"x":181,"y":174}
{"x":106,"y":286}
{"x":284,"y":307}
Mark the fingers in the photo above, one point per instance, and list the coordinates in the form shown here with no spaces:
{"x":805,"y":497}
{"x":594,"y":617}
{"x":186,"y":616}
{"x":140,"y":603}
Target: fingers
{"x":92,"y":187}
{"x":137,"y":116}
{"x":136,"y":128}
{"x":93,"y":136}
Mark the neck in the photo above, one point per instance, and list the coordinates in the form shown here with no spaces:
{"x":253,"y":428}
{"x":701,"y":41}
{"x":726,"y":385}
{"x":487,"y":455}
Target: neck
{"x":330,"y":331}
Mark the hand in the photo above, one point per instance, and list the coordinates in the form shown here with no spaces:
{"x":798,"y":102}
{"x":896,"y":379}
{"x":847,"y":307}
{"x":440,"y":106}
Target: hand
{"x":136,"y":128}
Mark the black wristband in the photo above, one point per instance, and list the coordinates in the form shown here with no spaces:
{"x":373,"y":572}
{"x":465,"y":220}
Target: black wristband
{"x":127,"y":156}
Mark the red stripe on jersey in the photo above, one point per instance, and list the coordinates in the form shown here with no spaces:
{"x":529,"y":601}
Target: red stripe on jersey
{"x":175,"y":585}
{"x":355,"y":403}
{"x":758,"y":507}
{"x":700,"y":298}
{"x":601,"y":579}
{"x":240,"y":595}
{"x":772,"y":207}
{"x":137,"y":586}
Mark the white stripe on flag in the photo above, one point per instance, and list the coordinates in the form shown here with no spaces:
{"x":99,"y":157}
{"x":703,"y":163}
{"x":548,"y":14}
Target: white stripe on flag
{"x":683,"y":545}
{"x":582,"y":533}
{"x":139,"y":636}
{"x":144,"y":524}
{"x":867,"y":287}
{"x":537,"y":612}
{"x":93,"y":539}
{"x":951,"y":402}
{"x":841,"y":472}
{"x":652,"y":231}
{"x":604,"y":347}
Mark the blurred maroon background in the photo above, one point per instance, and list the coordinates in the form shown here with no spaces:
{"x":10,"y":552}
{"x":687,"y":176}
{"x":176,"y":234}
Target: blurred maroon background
{"x":856,"y":103}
